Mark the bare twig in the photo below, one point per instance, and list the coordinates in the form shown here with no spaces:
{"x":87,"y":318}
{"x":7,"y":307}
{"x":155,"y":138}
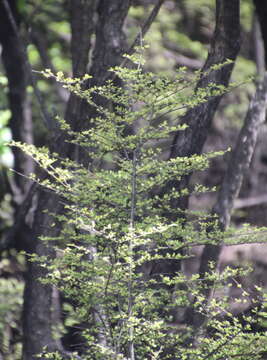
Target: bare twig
{"x":182,"y":60}
{"x":41,"y":46}
{"x":146,"y":26}
{"x":144,"y":29}
{"x":130,"y":283}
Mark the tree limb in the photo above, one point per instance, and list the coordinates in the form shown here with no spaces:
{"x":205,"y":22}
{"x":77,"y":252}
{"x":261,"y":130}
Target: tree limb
{"x":144,"y":29}
{"x":251,"y":201}
{"x":39,"y":40}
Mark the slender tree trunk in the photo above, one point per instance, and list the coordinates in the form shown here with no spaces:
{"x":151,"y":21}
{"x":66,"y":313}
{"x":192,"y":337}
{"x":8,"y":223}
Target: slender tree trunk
{"x":258,"y":47}
{"x":261,"y":11}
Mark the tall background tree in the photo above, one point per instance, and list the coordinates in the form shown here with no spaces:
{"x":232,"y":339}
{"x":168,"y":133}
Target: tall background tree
{"x":91,"y":36}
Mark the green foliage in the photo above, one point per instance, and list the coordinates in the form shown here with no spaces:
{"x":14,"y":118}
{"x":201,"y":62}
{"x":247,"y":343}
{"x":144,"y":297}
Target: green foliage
{"x":116,"y":226}
{"x":11,"y":299}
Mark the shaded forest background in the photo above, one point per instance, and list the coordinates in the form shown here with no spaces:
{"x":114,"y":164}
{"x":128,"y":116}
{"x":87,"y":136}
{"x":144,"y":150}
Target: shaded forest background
{"x":77,"y":37}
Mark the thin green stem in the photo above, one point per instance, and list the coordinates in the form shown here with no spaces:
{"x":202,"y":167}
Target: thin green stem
{"x":132,"y":223}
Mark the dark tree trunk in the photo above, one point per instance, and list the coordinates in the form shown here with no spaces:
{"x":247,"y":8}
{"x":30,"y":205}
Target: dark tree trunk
{"x":82,"y":19}
{"x":225,"y":45}
{"x":38,"y":305}
{"x":110,"y":40}
{"x":16,"y":71}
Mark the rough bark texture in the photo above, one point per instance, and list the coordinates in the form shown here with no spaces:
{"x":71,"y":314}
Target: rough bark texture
{"x":16,"y":72}
{"x":82,"y":14}
{"x":107,"y":52}
{"x":110,"y":44}
{"x":82,"y":19}
{"x":38,"y":313}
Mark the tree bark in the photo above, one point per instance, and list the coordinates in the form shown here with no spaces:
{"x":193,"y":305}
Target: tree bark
{"x":82,"y":20}
{"x":20,"y":122}
{"x":37,"y":309}
{"x":258,"y":47}
{"x":110,"y":40}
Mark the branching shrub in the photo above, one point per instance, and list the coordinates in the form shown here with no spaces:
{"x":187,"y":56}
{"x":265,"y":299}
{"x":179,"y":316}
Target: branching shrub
{"x":116,"y":225}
